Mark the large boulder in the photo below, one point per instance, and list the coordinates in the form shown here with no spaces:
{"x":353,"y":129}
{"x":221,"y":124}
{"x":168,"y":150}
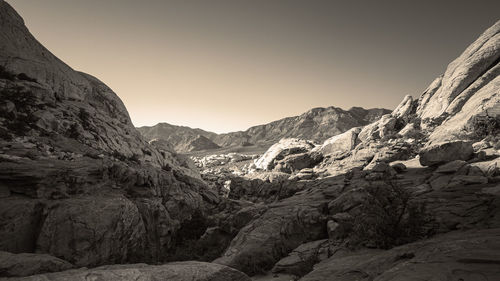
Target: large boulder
{"x":280,"y":150}
{"x":20,"y":219}
{"x":25,"y":264}
{"x":340,"y":143}
{"x":176,"y":271}
{"x":264,"y":241}
{"x":445,"y":152}
{"x":92,"y":231}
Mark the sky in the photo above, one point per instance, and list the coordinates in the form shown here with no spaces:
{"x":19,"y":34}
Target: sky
{"x":226,"y":65}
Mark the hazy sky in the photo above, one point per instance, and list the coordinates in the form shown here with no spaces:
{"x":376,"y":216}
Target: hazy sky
{"x":227,"y":65}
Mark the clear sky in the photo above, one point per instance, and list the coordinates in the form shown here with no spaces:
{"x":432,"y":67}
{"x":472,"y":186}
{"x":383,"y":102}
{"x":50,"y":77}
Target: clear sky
{"x":225,"y":65}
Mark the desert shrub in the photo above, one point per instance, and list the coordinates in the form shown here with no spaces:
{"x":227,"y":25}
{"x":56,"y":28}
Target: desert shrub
{"x":484,"y":126}
{"x":389,"y":218}
{"x":4,"y":74}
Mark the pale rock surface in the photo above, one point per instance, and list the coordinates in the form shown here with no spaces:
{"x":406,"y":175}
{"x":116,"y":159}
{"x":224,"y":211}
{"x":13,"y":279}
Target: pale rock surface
{"x":340,"y":143}
{"x":282,"y":149}
{"x":445,"y":152}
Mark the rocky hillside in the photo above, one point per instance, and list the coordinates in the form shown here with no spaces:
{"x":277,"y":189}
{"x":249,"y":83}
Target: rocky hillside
{"x":79,"y":186}
{"x":316,"y":124}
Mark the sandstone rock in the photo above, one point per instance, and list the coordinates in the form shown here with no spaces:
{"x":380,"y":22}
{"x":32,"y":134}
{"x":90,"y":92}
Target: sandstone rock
{"x":20,"y":219}
{"x":92,"y":231}
{"x":340,"y":143}
{"x":18,"y":265}
{"x":264,"y":241}
{"x":176,"y":271}
{"x":404,"y":108}
{"x":377,"y":130}
{"x":454,"y":256}
{"x":451,"y":167}
{"x":409,"y":130}
{"x":399,"y":167}
{"x":280,"y":150}
{"x":445,"y":152}
{"x":301,"y":260}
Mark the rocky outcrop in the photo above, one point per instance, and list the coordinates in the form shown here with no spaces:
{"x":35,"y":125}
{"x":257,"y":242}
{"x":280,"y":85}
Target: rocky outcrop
{"x":470,"y":255}
{"x":179,"y":271}
{"x":281,"y":150}
{"x":469,"y":87}
{"x":340,"y":143}
{"x":317,"y":124}
{"x":78,"y":181}
{"x":18,"y":265}
{"x":446,"y":152}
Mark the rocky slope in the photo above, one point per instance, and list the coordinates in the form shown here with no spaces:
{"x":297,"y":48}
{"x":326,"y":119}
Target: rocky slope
{"x":430,"y":167}
{"x":316,"y":124}
{"x":79,"y":186}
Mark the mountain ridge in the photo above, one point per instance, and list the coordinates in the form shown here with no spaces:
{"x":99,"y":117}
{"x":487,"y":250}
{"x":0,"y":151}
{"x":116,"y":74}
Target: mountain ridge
{"x":317,"y":124}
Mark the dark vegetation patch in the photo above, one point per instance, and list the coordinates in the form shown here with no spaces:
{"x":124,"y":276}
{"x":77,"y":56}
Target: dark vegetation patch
{"x":389,"y":218}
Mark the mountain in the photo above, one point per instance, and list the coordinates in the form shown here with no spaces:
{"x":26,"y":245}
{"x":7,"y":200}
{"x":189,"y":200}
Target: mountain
{"x":316,"y":124}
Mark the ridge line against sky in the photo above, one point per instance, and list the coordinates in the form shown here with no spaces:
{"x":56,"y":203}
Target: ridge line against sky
{"x":227,"y":65}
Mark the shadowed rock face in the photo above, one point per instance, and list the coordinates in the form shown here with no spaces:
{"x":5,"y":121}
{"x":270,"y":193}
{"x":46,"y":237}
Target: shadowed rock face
{"x":471,"y":255}
{"x":316,"y":124}
{"x":179,"y":271}
{"x":78,"y":181}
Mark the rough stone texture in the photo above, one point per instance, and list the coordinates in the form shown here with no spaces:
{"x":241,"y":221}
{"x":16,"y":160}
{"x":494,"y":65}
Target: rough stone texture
{"x":92,"y":231}
{"x":78,"y":180}
{"x":177,"y":271}
{"x":280,"y":150}
{"x":445,"y":152}
{"x":469,"y":87}
{"x":404,"y":108}
{"x":20,"y":219}
{"x":301,"y":260}
{"x":264,"y":241}
{"x":18,"y":265}
{"x":471,"y":255}
{"x":340,"y":143}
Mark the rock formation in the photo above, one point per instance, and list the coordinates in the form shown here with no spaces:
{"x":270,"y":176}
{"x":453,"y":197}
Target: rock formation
{"x":78,"y":181}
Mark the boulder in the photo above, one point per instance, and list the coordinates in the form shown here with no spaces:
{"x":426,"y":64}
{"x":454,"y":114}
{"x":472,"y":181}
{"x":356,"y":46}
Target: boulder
{"x":20,"y":219}
{"x":90,"y":231}
{"x":301,"y":260}
{"x":445,"y":152}
{"x":25,"y":264}
{"x":176,"y":271}
{"x":282,"y":228}
{"x":340,"y":143}
{"x":280,"y":150}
